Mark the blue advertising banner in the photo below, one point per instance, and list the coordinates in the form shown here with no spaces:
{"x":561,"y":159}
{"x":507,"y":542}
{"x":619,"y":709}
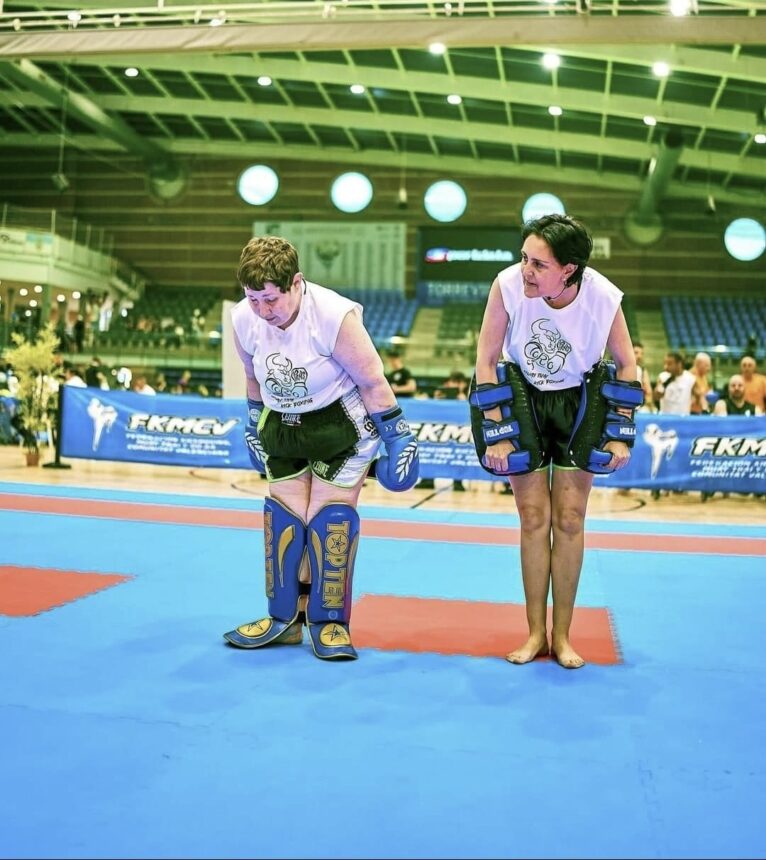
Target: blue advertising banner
{"x":706,"y":453}
{"x":165,"y":429}
{"x":680,"y":453}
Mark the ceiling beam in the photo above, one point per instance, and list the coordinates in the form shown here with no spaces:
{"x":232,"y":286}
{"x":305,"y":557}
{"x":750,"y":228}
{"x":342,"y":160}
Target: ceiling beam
{"x":372,"y":158}
{"x":480,"y":132}
{"x":515,"y":92}
{"x":414,"y":33}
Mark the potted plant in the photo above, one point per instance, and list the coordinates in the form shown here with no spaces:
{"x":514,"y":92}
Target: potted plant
{"x":33,"y":363}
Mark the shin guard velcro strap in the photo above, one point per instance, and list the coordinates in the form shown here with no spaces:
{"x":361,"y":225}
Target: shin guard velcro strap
{"x":518,"y":423}
{"x":284,"y":537}
{"x":598,"y":421}
{"x":333,"y":534}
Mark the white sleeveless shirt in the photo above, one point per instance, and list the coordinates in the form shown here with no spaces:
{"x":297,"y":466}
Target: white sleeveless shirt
{"x":294,"y":367}
{"x":555,"y":347}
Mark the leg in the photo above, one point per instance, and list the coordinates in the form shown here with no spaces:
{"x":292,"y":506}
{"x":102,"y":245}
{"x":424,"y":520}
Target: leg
{"x":569,"y":496}
{"x":333,"y":534}
{"x":533,"y":500}
{"x":284,"y":537}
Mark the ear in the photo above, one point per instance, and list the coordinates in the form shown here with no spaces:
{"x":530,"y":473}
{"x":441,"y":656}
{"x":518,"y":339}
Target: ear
{"x":298,"y":279}
{"x":568,"y":270}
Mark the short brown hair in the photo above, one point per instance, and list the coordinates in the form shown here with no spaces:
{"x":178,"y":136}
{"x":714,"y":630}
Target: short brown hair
{"x":267,"y":258}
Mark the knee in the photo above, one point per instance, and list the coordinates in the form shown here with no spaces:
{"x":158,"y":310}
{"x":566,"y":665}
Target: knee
{"x":569,"y":521}
{"x":534,"y":518}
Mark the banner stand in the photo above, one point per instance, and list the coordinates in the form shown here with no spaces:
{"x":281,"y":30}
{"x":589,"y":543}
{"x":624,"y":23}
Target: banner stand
{"x":57,"y":464}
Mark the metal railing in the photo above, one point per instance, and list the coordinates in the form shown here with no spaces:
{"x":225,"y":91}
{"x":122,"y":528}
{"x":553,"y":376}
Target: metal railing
{"x":296,"y":11}
{"x":52,"y":221}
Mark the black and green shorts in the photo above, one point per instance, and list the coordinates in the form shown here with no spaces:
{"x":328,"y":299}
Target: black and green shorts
{"x":336,"y":443}
{"x":556,"y":412}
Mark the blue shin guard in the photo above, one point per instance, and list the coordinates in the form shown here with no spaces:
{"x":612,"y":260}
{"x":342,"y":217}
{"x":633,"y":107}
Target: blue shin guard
{"x":284,"y":537}
{"x":333,"y":535}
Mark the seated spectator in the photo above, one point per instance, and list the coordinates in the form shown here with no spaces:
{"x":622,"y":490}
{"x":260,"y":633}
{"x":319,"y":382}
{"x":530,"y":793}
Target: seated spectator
{"x":755,"y":383}
{"x":140,"y":385}
{"x":454,"y":387}
{"x":734,"y":402}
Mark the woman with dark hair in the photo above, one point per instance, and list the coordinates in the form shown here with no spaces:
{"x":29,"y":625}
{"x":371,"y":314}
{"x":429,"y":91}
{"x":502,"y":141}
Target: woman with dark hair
{"x":547,"y":323}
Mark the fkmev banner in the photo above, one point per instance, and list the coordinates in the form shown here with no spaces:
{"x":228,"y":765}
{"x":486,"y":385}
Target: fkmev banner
{"x":166,"y":429}
{"x":671,"y":452}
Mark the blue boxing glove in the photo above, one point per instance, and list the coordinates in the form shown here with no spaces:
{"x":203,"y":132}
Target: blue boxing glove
{"x":254,"y":447}
{"x":398,"y":467}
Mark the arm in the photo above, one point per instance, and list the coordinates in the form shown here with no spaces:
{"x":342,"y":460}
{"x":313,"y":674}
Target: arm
{"x":397,"y":469}
{"x":490,"y":346}
{"x":489,"y":349}
{"x":356,"y":354}
{"x":254,"y":409}
{"x":621,"y":349}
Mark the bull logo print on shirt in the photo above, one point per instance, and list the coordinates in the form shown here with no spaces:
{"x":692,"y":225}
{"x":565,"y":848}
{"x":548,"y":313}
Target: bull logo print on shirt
{"x":284,"y":380}
{"x":546,"y":350}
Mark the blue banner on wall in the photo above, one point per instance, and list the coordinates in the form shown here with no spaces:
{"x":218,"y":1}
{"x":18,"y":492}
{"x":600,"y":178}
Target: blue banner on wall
{"x":707,"y":453}
{"x":166,"y":429}
{"x":681,"y":453}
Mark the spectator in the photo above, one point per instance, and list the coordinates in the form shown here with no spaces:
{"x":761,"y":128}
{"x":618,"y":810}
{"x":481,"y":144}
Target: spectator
{"x":734,"y":402}
{"x":454,"y":387}
{"x":755,"y":383}
{"x":72,"y":377}
{"x":78,"y":333}
{"x":402,"y":382}
{"x":140,"y":385}
{"x":643,"y":377}
{"x":673,"y":391}
{"x":94,"y":375}
{"x":702,"y":388}
{"x":184,"y":383}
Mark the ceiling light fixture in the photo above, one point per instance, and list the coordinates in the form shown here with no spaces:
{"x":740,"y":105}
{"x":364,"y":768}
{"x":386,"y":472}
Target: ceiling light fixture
{"x":650,"y":121}
{"x":437,"y":48}
{"x":660,"y":69}
{"x":679,"y":8}
{"x":454,"y":99}
{"x":551,"y":61}
{"x":555,"y":110}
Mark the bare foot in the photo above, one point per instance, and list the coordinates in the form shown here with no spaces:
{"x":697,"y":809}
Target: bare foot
{"x":565,"y":655}
{"x":535,"y":646}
